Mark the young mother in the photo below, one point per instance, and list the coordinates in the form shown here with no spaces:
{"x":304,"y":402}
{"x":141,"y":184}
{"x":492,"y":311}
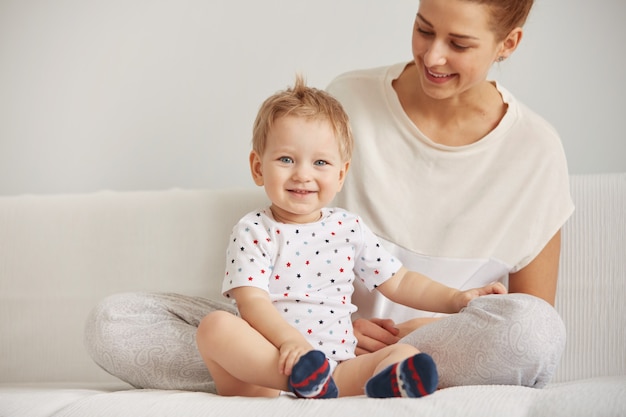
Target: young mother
{"x":467,"y":185}
{"x":461,"y":181}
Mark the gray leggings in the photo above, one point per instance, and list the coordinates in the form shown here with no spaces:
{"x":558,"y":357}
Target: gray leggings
{"x":148,"y":341}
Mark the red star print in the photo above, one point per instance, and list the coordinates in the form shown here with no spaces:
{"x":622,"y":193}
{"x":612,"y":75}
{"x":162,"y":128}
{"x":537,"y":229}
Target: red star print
{"x":256,"y":242}
{"x":340,"y":269}
{"x":288,"y":264}
{"x":250,"y":279}
{"x":262,"y":271}
{"x":376,"y":271}
{"x":309,"y":331}
{"x":277,"y":277}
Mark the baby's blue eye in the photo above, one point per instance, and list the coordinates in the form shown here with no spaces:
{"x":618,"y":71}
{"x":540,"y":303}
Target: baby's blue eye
{"x":321,"y":163}
{"x":285,"y":159}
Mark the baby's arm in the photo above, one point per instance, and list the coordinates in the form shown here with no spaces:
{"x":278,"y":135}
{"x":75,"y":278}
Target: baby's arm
{"x":415,"y":290}
{"x":256,"y":308}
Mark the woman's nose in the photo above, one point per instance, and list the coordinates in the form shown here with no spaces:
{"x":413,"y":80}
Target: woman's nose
{"x":435,"y":55}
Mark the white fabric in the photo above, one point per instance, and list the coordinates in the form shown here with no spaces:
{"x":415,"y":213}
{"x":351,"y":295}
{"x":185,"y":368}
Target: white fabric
{"x":309,"y":271}
{"x":593,"y":397}
{"x":496,"y":202}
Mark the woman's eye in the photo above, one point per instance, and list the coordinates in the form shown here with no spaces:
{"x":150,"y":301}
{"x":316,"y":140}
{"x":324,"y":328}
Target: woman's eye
{"x":424,"y":32}
{"x":320,"y":163}
{"x":285,"y":159}
{"x":459,"y":47}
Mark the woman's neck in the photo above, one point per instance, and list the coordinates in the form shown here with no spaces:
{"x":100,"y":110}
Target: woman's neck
{"x":456,"y":121}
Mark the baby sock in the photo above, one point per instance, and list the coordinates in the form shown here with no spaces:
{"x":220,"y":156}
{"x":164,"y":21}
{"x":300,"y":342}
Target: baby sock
{"x":311,"y":378}
{"x":413,"y":377}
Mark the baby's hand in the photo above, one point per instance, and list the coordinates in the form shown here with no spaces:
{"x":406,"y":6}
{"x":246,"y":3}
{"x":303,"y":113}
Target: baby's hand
{"x":464,"y":297}
{"x":289,"y":354}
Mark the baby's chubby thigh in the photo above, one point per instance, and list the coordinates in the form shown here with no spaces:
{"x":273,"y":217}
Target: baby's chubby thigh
{"x":351,"y":375}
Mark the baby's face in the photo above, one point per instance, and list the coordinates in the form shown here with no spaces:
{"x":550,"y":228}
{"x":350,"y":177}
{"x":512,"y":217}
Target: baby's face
{"x":301,"y":168}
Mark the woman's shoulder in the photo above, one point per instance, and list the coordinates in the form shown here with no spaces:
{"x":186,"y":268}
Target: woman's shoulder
{"x":524,"y":116}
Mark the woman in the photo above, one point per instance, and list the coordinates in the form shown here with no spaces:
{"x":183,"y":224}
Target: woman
{"x":461,"y":181}
{"x":466,"y":185}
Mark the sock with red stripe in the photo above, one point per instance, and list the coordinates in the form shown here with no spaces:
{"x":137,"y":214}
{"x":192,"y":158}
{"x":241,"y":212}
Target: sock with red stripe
{"x":413,"y":377}
{"x":311,"y":378}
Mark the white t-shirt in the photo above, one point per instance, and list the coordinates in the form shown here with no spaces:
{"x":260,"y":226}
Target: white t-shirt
{"x":309,"y":271}
{"x":465,"y":216}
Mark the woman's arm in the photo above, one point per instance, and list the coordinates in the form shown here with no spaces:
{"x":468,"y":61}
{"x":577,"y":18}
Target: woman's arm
{"x":539,"y":277}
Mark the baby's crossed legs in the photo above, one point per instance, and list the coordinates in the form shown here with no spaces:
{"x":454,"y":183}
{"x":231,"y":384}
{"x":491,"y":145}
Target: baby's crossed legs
{"x":248,"y":364}
{"x":396,"y":370}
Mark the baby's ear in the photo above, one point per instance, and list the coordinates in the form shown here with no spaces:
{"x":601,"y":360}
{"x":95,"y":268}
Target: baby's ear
{"x":256,"y":168}
{"x":343,"y":173}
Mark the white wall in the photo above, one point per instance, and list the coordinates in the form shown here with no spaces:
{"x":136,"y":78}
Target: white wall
{"x":153,"y":94}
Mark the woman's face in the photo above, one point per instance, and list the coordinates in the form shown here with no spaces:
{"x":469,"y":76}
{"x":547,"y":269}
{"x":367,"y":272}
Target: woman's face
{"x":453,"y":46}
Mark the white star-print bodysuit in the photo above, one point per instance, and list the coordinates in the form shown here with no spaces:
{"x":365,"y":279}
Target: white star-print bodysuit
{"x":309,"y":271}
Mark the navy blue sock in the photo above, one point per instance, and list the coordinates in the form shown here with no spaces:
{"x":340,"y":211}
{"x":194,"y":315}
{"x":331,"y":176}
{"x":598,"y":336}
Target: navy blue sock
{"x":413,"y":377}
{"x":311,"y":378}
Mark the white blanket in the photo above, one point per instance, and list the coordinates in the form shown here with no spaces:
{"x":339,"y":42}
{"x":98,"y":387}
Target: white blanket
{"x":592,"y":397}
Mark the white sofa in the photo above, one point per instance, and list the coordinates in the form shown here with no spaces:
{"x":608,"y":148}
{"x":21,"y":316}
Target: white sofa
{"x":61,"y":254}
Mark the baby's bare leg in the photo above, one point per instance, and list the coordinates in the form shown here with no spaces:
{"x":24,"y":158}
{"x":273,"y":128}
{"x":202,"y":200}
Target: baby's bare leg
{"x":352,"y":375}
{"x":241,"y":361}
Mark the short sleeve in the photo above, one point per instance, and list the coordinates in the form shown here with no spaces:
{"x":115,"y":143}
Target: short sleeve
{"x":248,"y":257}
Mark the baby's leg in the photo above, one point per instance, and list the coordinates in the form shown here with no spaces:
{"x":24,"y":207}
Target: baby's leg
{"x":241,"y":361}
{"x":384,"y":371}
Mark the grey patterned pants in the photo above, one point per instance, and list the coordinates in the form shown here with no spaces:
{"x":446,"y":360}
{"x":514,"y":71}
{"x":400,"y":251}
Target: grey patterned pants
{"x":148,"y":340}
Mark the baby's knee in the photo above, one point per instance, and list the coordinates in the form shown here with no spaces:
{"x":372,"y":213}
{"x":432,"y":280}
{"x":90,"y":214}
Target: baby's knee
{"x":214,"y":327}
{"x":403,"y":349}
{"x":214,"y":321}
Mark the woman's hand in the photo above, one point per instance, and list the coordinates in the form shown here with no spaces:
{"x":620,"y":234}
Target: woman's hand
{"x":463,"y":298}
{"x":374,"y":334}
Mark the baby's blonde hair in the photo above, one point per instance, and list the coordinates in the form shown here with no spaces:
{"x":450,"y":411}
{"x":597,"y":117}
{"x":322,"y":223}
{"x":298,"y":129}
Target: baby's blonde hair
{"x":306,"y":102}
